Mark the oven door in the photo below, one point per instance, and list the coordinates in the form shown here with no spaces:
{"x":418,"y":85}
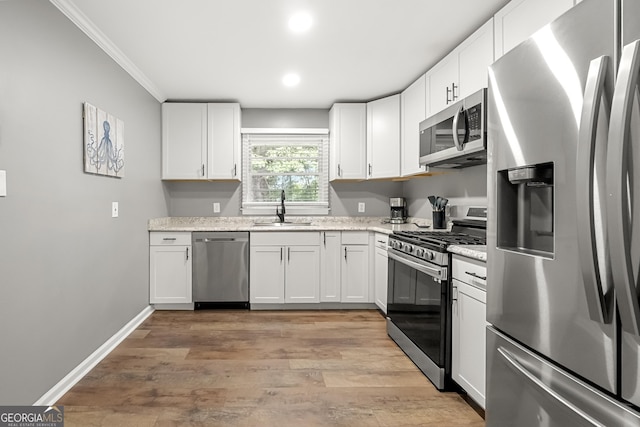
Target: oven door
{"x":417,"y":304}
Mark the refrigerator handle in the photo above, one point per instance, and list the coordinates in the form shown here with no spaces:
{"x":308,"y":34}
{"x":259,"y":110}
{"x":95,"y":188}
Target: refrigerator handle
{"x":585,"y":166}
{"x":618,"y":218}
{"x":548,"y":391}
{"x":456,"y":119}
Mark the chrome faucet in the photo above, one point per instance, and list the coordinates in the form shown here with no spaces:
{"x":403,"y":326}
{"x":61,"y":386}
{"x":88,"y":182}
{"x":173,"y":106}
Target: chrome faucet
{"x":280,"y":213}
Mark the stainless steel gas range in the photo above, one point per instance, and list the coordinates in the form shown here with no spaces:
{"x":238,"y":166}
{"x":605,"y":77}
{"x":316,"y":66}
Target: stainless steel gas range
{"x":419,"y":292}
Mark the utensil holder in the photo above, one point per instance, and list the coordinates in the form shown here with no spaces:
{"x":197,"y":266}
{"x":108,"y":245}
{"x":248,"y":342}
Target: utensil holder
{"x":439,"y":222}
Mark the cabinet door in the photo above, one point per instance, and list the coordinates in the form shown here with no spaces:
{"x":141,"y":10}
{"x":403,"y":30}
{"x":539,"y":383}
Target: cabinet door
{"x":355,"y":273}
{"x":170,"y":274}
{"x":330,"y":267}
{"x":302,"y":277}
{"x":468,"y":335}
{"x":519,"y":19}
{"x":474,"y":57}
{"x":443,"y":82}
{"x":413,"y":111}
{"x":383,"y":137}
{"x":224,"y":145}
{"x":348,"y":141}
{"x":184,"y":140}
{"x":381,"y":270}
{"x":266,"y":274}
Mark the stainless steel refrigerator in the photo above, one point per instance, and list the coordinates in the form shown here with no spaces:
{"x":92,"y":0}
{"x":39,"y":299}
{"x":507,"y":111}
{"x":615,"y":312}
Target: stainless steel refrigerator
{"x":563,"y":229}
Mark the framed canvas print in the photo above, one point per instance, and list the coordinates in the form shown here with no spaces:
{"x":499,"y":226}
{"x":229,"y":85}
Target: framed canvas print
{"x":103,"y":142}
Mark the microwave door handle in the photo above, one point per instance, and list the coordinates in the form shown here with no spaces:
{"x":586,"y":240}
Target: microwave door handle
{"x":454,"y":129}
{"x":618,"y":216}
{"x":599,"y":310}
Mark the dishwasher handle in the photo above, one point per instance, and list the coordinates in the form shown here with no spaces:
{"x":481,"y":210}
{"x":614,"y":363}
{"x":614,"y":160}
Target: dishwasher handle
{"x":219,"y":239}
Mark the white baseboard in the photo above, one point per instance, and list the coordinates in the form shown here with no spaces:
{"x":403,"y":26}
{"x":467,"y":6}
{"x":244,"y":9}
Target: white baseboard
{"x":65,"y":384}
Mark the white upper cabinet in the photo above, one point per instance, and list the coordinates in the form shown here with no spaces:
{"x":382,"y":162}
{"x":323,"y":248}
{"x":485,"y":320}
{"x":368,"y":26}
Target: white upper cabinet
{"x":463,"y":71}
{"x":383,"y":137}
{"x":184,"y":140}
{"x":474,"y":57}
{"x":413,"y":110}
{"x":519,"y":19}
{"x":348,"y":141}
{"x":201,"y":141}
{"x":224,"y":143}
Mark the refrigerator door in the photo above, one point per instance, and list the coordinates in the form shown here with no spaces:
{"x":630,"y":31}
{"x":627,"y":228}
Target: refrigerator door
{"x":525,"y":390}
{"x":539,"y":293}
{"x":624,"y":222}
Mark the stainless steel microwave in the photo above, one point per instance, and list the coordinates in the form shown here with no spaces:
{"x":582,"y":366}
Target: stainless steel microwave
{"x":456,"y":137}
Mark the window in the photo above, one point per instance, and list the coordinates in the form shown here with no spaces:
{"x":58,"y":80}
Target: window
{"x":297,"y":164}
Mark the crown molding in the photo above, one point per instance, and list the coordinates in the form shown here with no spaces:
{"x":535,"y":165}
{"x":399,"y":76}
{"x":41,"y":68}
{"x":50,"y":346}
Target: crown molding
{"x":71,"y":11}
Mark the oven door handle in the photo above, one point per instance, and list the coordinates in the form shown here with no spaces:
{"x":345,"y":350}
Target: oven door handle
{"x":436,"y":272}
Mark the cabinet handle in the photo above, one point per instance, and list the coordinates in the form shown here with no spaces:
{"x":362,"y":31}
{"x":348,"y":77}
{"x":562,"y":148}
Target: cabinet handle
{"x":339,"y":171}
{"x":369,"y":169}
{"x":288,"y":254}
{"x":203,"y":169}
{"x":325,"y":238}
{"x":168,"y":238}
{"x":235,"y":169}
{"x":453,"y":91}
{"x":281,"y":254}
{"x":187,"y":254}
{"x":447,"y":95}
{"x":477,"y":276}
{"x":345,"y":254}
{"x":454,"y":299}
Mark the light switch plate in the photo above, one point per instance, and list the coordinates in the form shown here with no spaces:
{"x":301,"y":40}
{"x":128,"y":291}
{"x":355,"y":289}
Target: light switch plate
{"x":216,"y":207}
{"x":3,"y":183}
{"x":114,"y":209}
{"x":361,"y":207}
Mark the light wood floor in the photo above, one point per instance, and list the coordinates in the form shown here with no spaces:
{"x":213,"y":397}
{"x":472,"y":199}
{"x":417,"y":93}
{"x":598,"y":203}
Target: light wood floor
{"x":248,"y":368}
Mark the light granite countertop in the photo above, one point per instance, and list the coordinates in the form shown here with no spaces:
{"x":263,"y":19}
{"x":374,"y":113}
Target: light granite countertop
{"x":478,"y":252}
{"x":376,"y":224}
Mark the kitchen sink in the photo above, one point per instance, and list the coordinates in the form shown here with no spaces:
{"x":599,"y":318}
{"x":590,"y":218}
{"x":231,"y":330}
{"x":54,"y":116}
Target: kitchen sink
{"x":281,"y":224}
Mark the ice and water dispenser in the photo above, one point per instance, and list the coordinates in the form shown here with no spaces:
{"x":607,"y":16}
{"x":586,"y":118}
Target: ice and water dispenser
{"x":525,"y":215}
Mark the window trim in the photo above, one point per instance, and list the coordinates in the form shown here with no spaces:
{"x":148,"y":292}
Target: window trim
{"x":299,"y":208}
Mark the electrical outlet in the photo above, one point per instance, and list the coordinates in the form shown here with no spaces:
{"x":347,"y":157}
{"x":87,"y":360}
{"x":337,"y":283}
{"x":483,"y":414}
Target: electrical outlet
{"x":216,"y":207}
{"x":361,"y":207}
{"x":3,"y":183}
{"x":114,"y":209}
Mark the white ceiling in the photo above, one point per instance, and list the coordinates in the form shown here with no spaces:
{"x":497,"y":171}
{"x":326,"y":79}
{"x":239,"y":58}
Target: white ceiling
{"x":239,"y":50}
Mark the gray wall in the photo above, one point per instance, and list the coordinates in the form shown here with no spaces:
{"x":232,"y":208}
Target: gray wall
{"x":71,"y":276}
{"x":463,"y":187}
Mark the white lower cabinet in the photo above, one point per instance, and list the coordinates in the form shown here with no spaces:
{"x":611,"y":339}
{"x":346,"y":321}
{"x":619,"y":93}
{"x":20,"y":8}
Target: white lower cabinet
{"x":355,"y":267}
{"x":170,"y":268}
{"x":330,"y":263}
{"x":284,"y":268}
{"x":381,"y":267}
{"x":469,"y":327}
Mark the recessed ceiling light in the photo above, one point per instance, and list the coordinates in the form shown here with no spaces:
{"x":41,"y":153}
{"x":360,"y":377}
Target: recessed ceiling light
{"x":300,"y":22}
{"x":291,"y":79}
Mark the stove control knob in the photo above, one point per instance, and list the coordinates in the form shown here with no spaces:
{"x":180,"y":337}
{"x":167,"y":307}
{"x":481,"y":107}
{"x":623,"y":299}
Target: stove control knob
{"x":410,"y":248}
{"x":429,"y":256}
{"x":420,"y":253}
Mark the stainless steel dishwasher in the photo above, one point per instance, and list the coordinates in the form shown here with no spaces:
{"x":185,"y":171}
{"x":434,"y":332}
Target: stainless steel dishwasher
{"x":220,"y":269}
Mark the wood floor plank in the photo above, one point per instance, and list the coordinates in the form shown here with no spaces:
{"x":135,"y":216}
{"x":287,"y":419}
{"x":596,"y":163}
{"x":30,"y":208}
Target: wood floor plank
{"x":266,"y":368}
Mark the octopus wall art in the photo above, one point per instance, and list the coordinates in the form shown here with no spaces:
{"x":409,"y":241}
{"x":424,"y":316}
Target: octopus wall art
{"x":103,"y":142}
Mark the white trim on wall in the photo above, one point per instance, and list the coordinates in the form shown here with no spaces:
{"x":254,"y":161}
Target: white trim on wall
{"x":71,"y":11}
{"x":72,"y":378}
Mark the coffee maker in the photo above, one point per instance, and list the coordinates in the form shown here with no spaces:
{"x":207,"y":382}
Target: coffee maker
{"x":398,"y":210}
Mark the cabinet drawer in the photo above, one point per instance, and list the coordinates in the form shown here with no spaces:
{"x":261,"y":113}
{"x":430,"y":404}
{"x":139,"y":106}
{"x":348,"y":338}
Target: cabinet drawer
{"x":470,"y":271}
{"x":355,"y":237}
{"x":285,"y":238}
{"x":169,"y":238}
{"x":382,"y":240}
